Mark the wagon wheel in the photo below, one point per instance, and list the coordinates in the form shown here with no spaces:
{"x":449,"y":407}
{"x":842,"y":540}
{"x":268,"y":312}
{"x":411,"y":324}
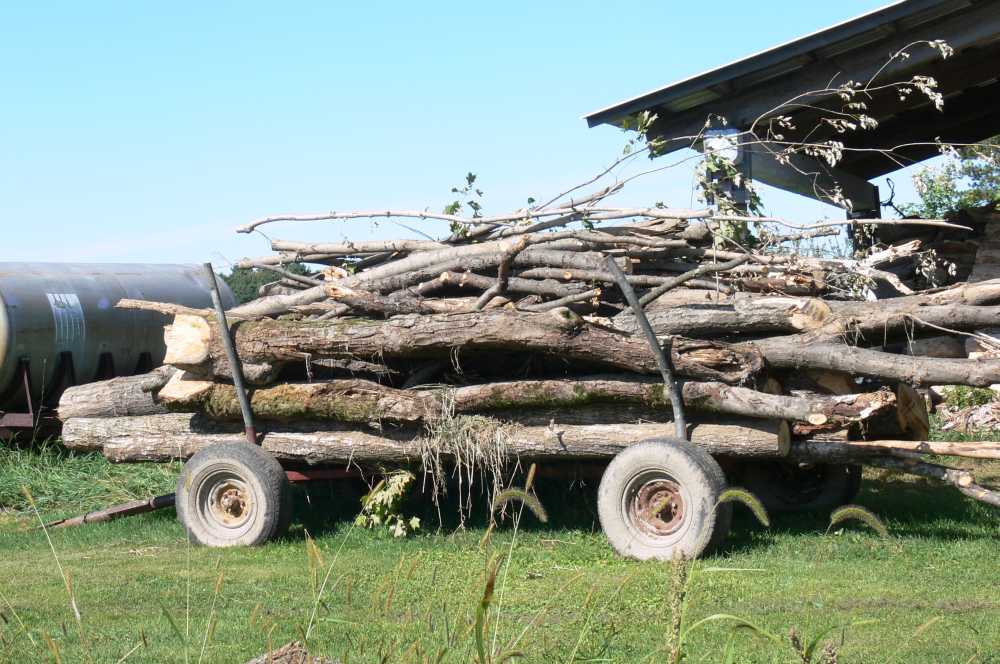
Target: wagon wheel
{"x":791,"y":487}
{"x":234,"y":494}
{"x":658,"y":499}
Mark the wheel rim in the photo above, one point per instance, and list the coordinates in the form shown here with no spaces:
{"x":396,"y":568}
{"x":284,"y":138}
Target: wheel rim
{"x":656,"y":508}
{"x":226,"y":504}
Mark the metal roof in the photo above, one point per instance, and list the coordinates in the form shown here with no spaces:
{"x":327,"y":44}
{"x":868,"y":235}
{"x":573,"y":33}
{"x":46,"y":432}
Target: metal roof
{"x":856,"y":49}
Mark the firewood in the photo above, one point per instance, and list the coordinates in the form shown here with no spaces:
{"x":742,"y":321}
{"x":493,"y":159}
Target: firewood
{"x":790,"y":353}
{"x":131,"y":395}
{"x":265,"y":345}
{"x":365,"y":402}
{"x":179,"y":435}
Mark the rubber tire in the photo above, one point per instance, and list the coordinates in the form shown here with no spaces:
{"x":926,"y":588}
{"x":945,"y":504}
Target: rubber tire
{"x":265,"y":480}
{"x":701,"y":482}
{"x":839,"y":484}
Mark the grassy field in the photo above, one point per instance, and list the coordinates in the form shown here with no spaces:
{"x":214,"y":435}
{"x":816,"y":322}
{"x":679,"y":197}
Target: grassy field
{"x":929,"y":593}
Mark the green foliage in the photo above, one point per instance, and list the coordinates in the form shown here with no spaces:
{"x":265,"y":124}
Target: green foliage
{"x":381,"y":508}
{"x":67,"y":483}
{"x":470,"y":196}
{"x":246,"y":282}
{"x":419,"y":599}
{"x":969,"y":177}
{"x":962,"y":396}
{"x":857,"y":513}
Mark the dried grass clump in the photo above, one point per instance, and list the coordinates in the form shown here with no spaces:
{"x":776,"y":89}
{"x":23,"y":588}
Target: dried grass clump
{"x":473,"y":448}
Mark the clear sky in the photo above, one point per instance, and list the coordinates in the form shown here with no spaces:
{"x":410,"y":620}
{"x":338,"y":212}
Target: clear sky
{"x":140,"y":131}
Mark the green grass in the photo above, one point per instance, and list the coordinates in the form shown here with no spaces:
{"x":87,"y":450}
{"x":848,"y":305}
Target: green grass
{"x":931,"y":587}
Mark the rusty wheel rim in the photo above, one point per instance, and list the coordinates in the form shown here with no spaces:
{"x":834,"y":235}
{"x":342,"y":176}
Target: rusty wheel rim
{"x":655,"y":507}
{"x":226,"y":500}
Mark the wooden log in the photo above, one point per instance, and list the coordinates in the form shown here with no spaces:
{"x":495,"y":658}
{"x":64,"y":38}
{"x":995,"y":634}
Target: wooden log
{"x":364,"y":402}
{"x":910,"y":419}
{"x":827,"y":321}
{"x":962,"y":480}
{"x":131,"y":395}
{"x":179,"y":435}
{"x":971,"y":450}
{"x":758,"y":316}
{"x":791,"y":353}
{"x":940,"y":346}
{"x":194,"y":345}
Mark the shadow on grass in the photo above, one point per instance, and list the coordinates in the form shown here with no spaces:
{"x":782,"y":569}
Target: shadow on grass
{"x":917,"y":509}
{"x":909,"y":508}
{"x":571,"y":504}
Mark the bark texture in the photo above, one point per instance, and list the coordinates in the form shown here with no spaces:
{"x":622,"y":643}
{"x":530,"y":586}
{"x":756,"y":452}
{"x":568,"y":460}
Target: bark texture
{"x":365,"y":402}
{"x":193,"y":343}
{"x":131,"y":395}
{"x":179,"y":435}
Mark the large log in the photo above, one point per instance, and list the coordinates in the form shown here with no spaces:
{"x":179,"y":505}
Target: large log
{"x":365,"y":402}
{"x":193,"y":343}
{"x":824,"y":321}
{"x":179,"y":435}
{"x":745,"y":316}
{"x":791,"y":353}
{"x":131,"y":395}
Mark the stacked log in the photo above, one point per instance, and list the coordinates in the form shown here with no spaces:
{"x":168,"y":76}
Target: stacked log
{"x":520,"y":329}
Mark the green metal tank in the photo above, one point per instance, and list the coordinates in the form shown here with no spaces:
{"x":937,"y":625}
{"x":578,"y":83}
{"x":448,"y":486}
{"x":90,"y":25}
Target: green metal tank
{"x":59,"y":325}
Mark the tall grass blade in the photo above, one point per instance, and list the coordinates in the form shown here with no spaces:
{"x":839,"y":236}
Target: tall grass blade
{"x":67,"y":580}
{"x":740,"y":623}
{"x":858,"y":513}
{"x":482,"y":611}
{"x":13,"y":612}
{"x":210,"y":625}
{"x":53,"y":647}
{"x":173,"y":626}
{"x":528,"y":500}
{"x":740,"y":495}
{"x":810,"y":649}
{"x":326,"y":579}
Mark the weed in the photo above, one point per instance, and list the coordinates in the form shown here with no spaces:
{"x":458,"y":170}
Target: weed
{"x":857,"y":513}
{"x":961,"y":396}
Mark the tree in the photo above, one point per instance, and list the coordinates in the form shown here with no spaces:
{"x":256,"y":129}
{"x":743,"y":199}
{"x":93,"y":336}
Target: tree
{"x":247,"y":282}
{"x":969,"y":177}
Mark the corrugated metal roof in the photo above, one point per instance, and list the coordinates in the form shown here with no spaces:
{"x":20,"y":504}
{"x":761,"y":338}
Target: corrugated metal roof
{"x":829,"y":42}
{"x":754,"y":87}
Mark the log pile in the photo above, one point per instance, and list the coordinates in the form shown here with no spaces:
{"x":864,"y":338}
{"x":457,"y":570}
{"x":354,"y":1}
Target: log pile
{"x":511,"y":334}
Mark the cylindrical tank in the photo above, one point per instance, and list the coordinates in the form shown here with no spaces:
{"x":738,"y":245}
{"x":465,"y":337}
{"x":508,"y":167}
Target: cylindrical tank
{"x":60,"y":321}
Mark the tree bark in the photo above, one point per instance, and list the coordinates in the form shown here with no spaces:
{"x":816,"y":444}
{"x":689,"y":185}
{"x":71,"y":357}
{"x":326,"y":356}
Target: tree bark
{"x":960,"y":479}
{"x":179,"y":435}
{"x":364,"y":402}
{"x":131,"y":395}
{"x":851,"y":449}
{"x":756,"y":316}
{"x":790,"y":353}
{"x":193,"y":343}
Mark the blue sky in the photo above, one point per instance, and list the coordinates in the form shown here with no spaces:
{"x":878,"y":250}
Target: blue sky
{"x":147,"y":132}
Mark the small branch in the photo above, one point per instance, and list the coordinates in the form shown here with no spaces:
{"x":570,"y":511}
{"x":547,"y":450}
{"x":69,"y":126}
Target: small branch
{"x":960,"y":479}
{"x":939,"y":223}
{"x":503,"y":275}
{"x":161,"y":308}
{"x":291,"y":276}
{"x":707,"y":268}
{"x":592,"y":294}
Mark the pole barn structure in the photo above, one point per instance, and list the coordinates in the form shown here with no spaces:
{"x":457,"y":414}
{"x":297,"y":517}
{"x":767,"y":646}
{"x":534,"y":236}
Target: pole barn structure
{"x":752,"y":88}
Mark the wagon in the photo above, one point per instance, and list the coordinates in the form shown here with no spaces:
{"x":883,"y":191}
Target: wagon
{"x":658,"y":498}
{"x":661,"y":492}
